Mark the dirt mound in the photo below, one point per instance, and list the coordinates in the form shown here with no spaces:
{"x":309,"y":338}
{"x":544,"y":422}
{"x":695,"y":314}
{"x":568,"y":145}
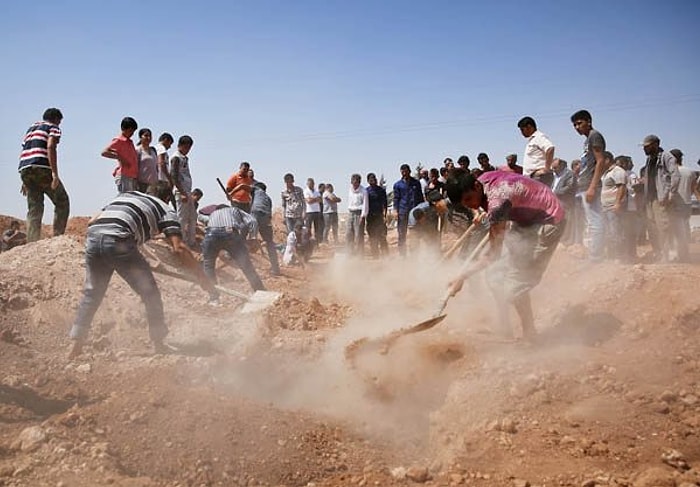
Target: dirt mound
{"x":291,"y":313}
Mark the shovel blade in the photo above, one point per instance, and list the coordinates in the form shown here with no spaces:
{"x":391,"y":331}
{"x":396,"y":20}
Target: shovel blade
{"x":425,"y":325}
{"x":259,"y":301}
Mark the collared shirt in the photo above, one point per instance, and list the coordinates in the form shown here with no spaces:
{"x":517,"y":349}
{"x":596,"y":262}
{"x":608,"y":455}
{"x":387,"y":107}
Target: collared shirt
{"x":312,"y":207}
{"x":35,"y":151}
{"x":357,"y":200}
{"x":520,"y":199}
{"x":243,"y":194}
{"x":180,"y":169}
{"x":233,"y":218}
{"x":137,"y":215}
{"x":407,"y":195}
{"x":377,"y":200}
{"x":262,"y":203}
{"x":128,"y":159}
{"x":160,"y":149}
{"x":293,"y":202}
{"x":535,"y":152}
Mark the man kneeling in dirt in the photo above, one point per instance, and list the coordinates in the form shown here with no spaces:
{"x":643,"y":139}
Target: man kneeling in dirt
{"x":536,"y":224}
{"x":113,"y":237}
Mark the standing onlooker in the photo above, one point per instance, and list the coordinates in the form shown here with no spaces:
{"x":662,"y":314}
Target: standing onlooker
{"x":330,"y":213}
{"x":661,"y":181}
{"x":148,"y":163}
{"x":122,"y":149}
{"x":261,"y":209}
{"x":484,"y":162}
{"x":448,"y":163}
{"x":589,"y":182}
{"x":632,"y":217}
{"x":165,"y":184}
{"x":314,"y":216}
{"x":463,"y":162}
{"x":38,"y":170}
{"x":376,"y":216}
{"x":358,"y":207}
{"x":512,"y":164}
{"x":423,"y":178}
{"x":686,"y":189}
{"x":239,"y":187}
{"x":613,"y":199}
{"x":539,"y":152}
{"x":182,"y":180}
{"x":434,"y":183}
{"x":407,"y":195}
{"x":578,"y":216}
{"x":293,"y":204}
{"x":564,"y":186}
{"x":321,"y":190}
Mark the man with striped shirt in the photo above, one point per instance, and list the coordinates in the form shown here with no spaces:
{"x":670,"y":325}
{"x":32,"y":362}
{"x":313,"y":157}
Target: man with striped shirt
{"x":38,"y":169}
{"x":227,"y":229}
{"x":113,"y":237}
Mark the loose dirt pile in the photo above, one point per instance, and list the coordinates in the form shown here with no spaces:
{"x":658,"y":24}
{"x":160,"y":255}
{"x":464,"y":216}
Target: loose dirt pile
{"x":611,"y":397}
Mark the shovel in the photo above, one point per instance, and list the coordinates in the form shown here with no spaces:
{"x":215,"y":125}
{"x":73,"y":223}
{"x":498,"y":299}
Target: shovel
{"x":258,"y":301}
{"x":383,"y":344}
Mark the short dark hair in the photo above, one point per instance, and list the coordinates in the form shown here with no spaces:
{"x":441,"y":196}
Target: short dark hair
{"x":355,"y":177}
{"x":459,"y":181}
{"x":288,"y":177}
{"x":447,"y":159}
{"x":129,"y":123}
{"x":563,"y":162}
{"x":405,"y":166}
{"x":582,"y":115}
{"x":608,"y":155}
{"x":261,"y":185}
{"x":53,"y":115}
{"x":463,"y":161}
{"x":144,"y":131}
{"x":244,"y":163}
{"x":197,"y":191}
{"x":185,"y":140}
{"x":371,"y":175}
{"x":482,"y":155}
{"x":166,"y":136}
{"x":527,"y":121}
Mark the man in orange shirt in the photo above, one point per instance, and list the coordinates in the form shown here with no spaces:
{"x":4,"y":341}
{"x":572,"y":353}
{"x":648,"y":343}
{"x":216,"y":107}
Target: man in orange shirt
{"x":122,"y":149}
{"x":239,"y":188}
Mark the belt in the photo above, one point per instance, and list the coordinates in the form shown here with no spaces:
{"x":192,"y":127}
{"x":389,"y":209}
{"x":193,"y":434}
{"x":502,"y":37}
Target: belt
{"x":230,"y":230}
{"x":355,"y":212}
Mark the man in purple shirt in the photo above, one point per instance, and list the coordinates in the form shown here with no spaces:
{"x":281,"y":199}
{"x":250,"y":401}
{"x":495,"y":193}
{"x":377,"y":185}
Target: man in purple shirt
{"x":537,"y":223}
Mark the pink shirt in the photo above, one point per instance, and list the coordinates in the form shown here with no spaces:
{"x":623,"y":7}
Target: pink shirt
{"x":129,"y":164}
{"x":520,"y":199}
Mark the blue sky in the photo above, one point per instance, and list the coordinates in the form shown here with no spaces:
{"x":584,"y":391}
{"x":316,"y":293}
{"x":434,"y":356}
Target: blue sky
{"x":328,"y":88}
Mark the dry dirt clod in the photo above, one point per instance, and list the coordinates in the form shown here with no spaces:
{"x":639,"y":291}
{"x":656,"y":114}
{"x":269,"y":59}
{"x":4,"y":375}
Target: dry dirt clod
{"x":29,"y":438}
{"x":675,"y":459}
{"x":520,"y":483}
{"x":418,"y":474}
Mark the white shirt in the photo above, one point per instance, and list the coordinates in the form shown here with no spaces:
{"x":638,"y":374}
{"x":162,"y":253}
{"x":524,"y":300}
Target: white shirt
{"x":290,"y":250}
{"x":357,"y":200}
{"x":312,"y":207}
{"x":160,"y":149}
{"x":537,"y":146}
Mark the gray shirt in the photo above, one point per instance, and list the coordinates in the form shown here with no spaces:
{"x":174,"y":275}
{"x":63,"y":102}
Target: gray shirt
{"x":685,"y":187}
{"x":148,"y":165}
{"x":180,"y":166}
{"x":594,"y":140}
{"x":328,"y":205}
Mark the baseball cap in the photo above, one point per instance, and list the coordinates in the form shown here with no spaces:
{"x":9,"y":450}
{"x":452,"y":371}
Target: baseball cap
{"x":650,"y":139}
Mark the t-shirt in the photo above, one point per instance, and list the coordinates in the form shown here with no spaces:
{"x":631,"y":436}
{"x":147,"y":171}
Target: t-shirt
{"x":128,"y":159}
{"x":35,"y":151}
{"x":535,"y":152}
{"x":180,"y":166}
{"x":312,"y":207}
{"x":329,"y":203}
{"x":685,"y":187}
{"x":594,"y":140}
{"x":293,"y":202}
{"x":520,"y":199}
{"x":161,"y":150}
{"x":148,"y":165}
{"x":614,"y":177}
{"x":243,"y":194}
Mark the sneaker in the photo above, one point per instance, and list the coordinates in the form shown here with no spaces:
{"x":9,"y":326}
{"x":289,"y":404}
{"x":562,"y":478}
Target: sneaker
{"x":214,"y":303}
{"x":162,"y":348}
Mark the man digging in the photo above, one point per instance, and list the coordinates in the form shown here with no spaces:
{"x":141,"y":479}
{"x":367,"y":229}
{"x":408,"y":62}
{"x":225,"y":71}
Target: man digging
{"x":536,"y":224}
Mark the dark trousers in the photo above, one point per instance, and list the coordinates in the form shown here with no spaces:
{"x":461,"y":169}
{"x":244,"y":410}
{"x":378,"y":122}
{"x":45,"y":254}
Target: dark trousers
{"x":37,"y":181}
{"x":546,"y":178}
{"x":376,"y":230}
{"x":330,"y":224}
{"x":216,"y":240}
{"x":265,"y":229}
{"x":105,"y":254}
{"x":315,"y":219}
{"x":402,"y":227}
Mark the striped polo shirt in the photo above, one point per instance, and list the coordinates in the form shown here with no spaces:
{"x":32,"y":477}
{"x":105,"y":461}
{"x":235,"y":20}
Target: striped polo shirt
{"x":137,"y":215}
{"x":35,"y":150}
{"x":232,"y":218}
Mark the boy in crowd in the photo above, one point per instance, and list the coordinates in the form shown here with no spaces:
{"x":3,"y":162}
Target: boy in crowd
{"x":123,"y":151}
{"x":182,"y":180}
{"x":164,"y":186}
{"x":613,"y":200}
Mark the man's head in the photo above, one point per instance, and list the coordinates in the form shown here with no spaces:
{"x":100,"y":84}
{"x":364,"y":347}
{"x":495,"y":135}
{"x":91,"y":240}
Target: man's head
{"x":463,"y":162}
{"x":310,"y":183}
{"x":260,"y":186}
{"x":483,"y":159}
{"x":355,"y":180}
{"x":251,"y":174}
{"x":511,"y":160}
{"x":625,"y":162}
{"x":321,"y":187}
{"x":289,"y":180}
{"x":583,"y":122}
{"x":329,"y":187}
{"x":434,"y":174}
{"x":244,"y":168}
{"x":424,"y":174}
{"x":678,"y":155}
{"x":608,"y":160}
{"x":464,"y":190}
{"x":197,"y":194}
{"x":405,"y":171}
{"x":576,"y":166}
{"x":448,"y":162}
{"x":53,"y":115}
{"x":558,"y":165}
{"x":184,"y":144}
{"x":166,"y":139}
{"x":527,"y":126}
{"x":651,"y":145}
{"x":128,"y":126}
{"x":372,"y":179}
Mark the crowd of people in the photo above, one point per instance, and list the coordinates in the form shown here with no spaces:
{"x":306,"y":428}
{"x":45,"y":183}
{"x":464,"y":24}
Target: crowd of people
{"x":597,"y":201}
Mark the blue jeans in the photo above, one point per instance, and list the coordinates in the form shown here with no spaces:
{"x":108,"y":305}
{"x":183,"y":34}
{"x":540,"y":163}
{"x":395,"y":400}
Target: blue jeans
{"x":105,"y":254}
{"x":216,"y":240}
{"x":355,"y":233}
{"x":290,"y":222}
{"x":595,"y":223}
{"x":614,"y":234}
{"x":402,"y":227}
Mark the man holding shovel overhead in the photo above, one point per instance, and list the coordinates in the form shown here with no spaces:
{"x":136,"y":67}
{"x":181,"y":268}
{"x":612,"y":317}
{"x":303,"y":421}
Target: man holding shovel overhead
{"x":536,"y":224}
